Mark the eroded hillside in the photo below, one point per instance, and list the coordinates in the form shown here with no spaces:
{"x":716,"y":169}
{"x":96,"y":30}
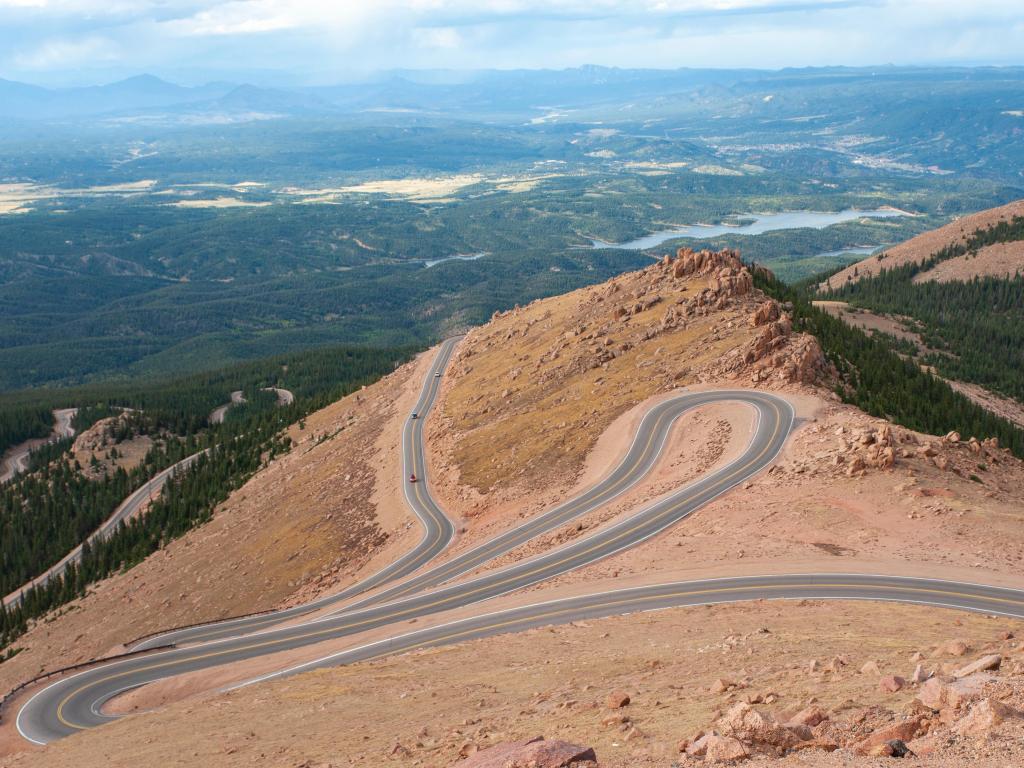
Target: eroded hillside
{"x":998,"y":260}
{"x":533,"y":390}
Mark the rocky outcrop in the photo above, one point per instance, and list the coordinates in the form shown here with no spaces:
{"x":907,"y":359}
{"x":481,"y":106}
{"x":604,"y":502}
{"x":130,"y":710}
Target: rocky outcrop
{"x":985,"y":715}
{"x":939,"y":693}
{"x":532,"y":753}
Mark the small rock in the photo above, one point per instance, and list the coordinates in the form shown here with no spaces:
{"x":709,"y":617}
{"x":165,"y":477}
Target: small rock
{"x":617,"y":699}
{"x":870,"y":668}
{"x":891,"y":683}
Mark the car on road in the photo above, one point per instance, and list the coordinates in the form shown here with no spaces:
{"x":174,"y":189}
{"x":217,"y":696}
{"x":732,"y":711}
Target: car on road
{"x":437,"y":375}
{"x":415,"y":415}
{"x":412,"y":478}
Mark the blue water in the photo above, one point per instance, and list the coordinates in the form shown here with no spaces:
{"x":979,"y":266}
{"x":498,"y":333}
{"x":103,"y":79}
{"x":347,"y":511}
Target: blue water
{"x":457,"y":257}
{"x":762,"y":222}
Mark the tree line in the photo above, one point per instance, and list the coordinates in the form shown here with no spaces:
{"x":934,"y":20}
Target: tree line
{"x":974,"y":329}
{"x":882,"y":383}
{"x":56,"y":498}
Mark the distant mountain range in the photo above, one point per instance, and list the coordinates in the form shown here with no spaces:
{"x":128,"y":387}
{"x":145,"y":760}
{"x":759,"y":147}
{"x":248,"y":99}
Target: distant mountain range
{"x":443,"y":91}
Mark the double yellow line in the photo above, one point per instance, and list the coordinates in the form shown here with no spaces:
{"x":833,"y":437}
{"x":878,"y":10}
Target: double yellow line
{"x":398,"y":615}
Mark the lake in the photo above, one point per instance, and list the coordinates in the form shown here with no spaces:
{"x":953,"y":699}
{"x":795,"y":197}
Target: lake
{"x":759,"y":224}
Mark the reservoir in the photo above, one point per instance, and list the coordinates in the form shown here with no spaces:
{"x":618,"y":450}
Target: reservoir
{"x":753,"y":224}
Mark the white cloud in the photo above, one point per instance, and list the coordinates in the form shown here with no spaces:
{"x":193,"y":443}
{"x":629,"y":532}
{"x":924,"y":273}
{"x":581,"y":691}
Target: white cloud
{"x":332,"y":37}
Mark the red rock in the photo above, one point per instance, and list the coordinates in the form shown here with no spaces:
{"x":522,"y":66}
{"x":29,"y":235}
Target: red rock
{"x":617,"y":699}
{"x":891,"y":683}
{"x":744,"y":722}
{"x":724,"y":749}
{"x":953,"y":648}
{"x":991,"y":661}
{"x":984,"y":716}
{"x":939,"y":694}
{"x":698,"y":746}
{"x":811,"y":716}
{"x":531,"y":753}
{"x":902,"y":731}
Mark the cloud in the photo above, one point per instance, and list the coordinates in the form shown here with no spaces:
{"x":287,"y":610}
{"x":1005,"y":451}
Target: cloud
{"x":330,"y":39}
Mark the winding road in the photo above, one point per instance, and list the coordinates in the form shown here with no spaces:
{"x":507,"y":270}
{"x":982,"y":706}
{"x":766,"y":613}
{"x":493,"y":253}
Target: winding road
{"x":125,"y":510}
{"x":76,"y":703}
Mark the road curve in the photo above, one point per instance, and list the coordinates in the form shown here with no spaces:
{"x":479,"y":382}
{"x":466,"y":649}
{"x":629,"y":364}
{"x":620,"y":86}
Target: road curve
{"x":438,"y":529}
{"x":15,"y":460}
{"x":75,"y":703}
{"x":125,"y":510}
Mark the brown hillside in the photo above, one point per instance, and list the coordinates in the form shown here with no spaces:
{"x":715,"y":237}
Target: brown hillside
{"x":314,"y":518}
{"x":997,"y":260}
{"x":530,"y":393}
{"x":924,"y":245}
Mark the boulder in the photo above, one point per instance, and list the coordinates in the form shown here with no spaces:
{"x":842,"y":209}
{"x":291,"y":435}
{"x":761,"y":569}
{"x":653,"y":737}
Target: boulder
{"x":902,"y":731}
{"x":937,"y":693}
{"x":870,"y":668}
{"x":992,"y":661}
{"x":759,"y":728}
{"x":953,"y":648}
{"x":532,"y":753}
{"x":810,"y":716}
{"x":984,"y":716}
{"x":724,"y":749}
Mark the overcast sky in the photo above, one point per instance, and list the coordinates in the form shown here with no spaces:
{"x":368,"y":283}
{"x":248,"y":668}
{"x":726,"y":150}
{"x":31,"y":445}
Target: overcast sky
{"x":318,"y":41}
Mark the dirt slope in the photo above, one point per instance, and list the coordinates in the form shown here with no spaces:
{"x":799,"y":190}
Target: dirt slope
{"x":989,"y":260}
{"x":682,"y":669}
{"x":313,"y":520}
{"x":530,"y":393}
{"x":544,"y":398}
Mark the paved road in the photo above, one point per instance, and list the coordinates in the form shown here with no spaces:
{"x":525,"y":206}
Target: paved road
{"x":125,"y":510}
{"x":775,"y":419}
{"x":74,"y":703}
{"x":48,"y":715}
{"x":438,"y":530}
{"x":15,"y":461}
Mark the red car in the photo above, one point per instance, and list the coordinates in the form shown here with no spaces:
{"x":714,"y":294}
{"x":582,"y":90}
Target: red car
{"x":412,"y":478}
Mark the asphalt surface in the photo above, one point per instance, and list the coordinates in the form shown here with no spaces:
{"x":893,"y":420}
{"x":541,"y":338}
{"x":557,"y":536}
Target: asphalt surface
{"x":438,"y":530}
{"x":54,"y":713}
{"x":125,"y":510}
{"x":75,"y":703}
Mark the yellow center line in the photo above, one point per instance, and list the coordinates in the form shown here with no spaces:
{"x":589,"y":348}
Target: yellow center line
{"x":555,"y":612}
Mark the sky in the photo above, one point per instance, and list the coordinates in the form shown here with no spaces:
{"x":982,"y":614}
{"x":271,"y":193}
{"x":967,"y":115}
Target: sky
{"x":78,"y":42}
